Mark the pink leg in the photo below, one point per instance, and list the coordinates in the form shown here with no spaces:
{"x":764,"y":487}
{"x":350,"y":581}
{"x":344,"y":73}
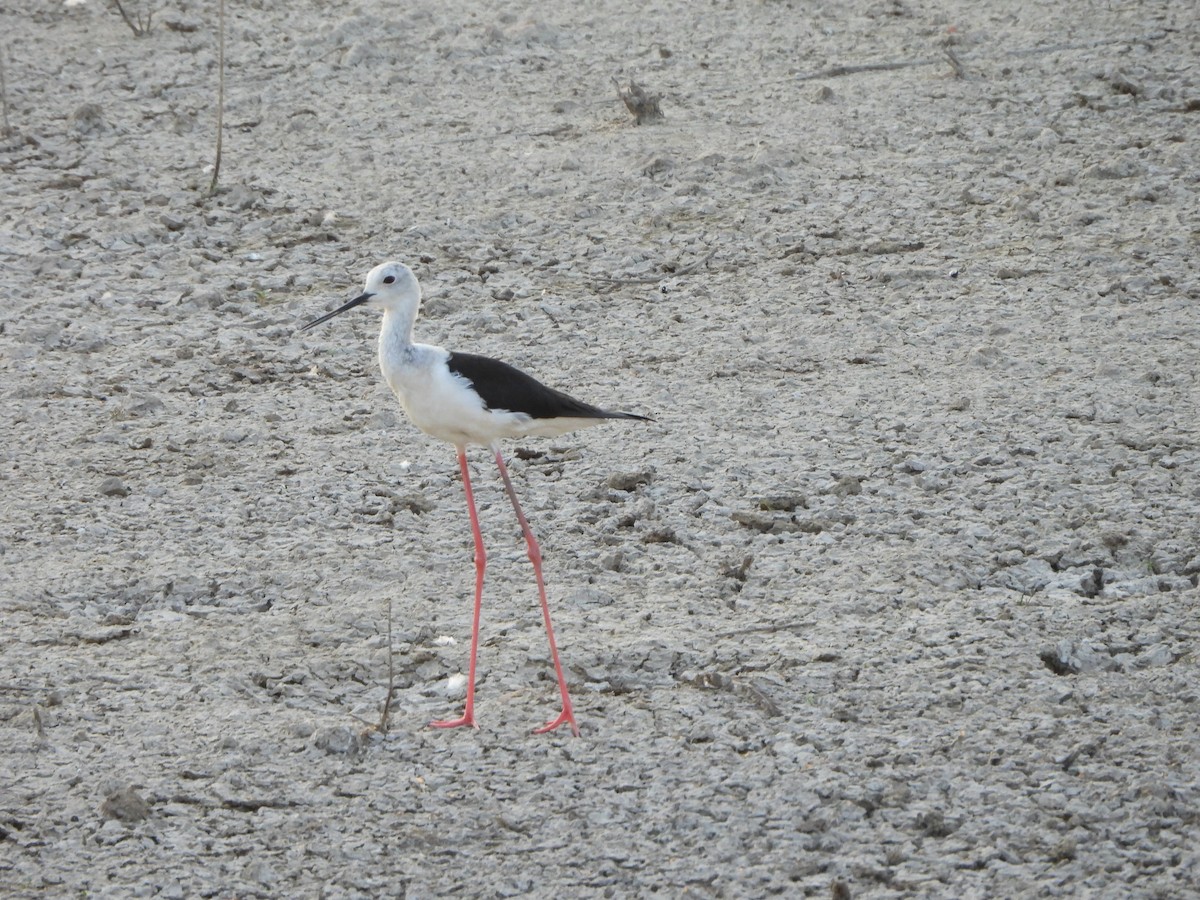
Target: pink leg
{"x":535,"y":557}
{"x":468,"y":716}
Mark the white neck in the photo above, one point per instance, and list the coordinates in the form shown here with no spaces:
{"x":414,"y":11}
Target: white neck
{"x":398,"y":324}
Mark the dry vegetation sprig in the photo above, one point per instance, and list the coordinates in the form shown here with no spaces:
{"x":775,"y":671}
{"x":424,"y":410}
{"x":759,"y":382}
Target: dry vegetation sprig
{"x":644,"y":105}
{"x":212,"y":188}
{"x":139,"y":25}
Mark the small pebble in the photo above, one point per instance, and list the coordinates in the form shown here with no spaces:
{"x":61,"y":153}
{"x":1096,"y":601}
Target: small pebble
{"x":113,"y":487}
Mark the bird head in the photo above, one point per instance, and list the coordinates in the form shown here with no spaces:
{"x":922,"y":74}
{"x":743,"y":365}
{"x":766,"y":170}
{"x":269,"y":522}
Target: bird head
{"x":390,"y":286}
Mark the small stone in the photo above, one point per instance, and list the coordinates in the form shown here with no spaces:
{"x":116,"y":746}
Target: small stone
{"x":785,"y":502}
{"x":983,"y":356}
{"x":1123,"y":84}
{"x":590,"y":598}
{"x":260,"y":871}
{"x":110,"y":833}
{"x":847,"y":486}
{"x":933,"y":823}
{"x":338,"y":741}
{"x":456,"y":686}
{"x":629,"y":481}
{"x":87,"y":118}
{"x":1064,"y":850}
{"x":1158,"y":655}
{"x":1069,"y":657}
{"x":764,"y":523}
{"x":1120,"y":167}
{"x":658,"y":165}
{"x":1047,"y":139}
{"x":662,"y":535}
{"x":113,"y":487}
{"x":125,"y":805}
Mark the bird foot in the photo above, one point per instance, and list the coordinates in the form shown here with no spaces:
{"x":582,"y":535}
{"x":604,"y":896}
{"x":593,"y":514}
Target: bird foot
{"x":465,"y":719}
{"x":564,"y":717}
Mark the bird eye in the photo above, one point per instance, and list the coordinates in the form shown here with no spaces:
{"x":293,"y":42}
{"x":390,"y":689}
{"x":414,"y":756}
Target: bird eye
{"x":390,"y":279}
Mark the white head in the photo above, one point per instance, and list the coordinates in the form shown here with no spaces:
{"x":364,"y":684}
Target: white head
{"x":390,"y":286}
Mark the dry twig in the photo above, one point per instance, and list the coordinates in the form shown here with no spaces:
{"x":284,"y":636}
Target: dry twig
{"x":139,"y":25}
{"x":386,"y":712}
{"x":212,"y":188}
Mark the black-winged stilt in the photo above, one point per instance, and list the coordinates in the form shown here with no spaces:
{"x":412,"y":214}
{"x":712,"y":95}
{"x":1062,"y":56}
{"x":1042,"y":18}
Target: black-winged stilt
{"x":470,"y":400}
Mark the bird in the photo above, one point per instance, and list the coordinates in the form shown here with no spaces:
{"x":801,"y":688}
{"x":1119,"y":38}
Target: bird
{"x":469,"y":400}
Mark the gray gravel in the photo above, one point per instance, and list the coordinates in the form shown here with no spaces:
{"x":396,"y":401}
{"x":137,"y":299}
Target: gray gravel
{"x":895,"y":597}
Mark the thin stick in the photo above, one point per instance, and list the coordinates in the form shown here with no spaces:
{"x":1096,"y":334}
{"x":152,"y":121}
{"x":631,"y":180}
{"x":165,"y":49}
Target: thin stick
{"x":835,"y":71}
{"x":212,"y":188}
{"x":655,"y":279}
{"x":4,"y":95}
{"x":385,"y":715}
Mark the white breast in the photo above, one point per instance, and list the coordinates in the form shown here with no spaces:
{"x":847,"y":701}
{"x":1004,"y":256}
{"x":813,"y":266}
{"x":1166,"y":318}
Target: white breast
{"x":441,"y":404}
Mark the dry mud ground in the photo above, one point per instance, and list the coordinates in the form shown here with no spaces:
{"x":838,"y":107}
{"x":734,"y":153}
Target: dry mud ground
{"x":895,"y":597}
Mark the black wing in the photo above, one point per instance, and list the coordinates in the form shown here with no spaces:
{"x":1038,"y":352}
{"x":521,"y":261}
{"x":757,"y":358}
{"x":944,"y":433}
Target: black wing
{"x":504,"y":387}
